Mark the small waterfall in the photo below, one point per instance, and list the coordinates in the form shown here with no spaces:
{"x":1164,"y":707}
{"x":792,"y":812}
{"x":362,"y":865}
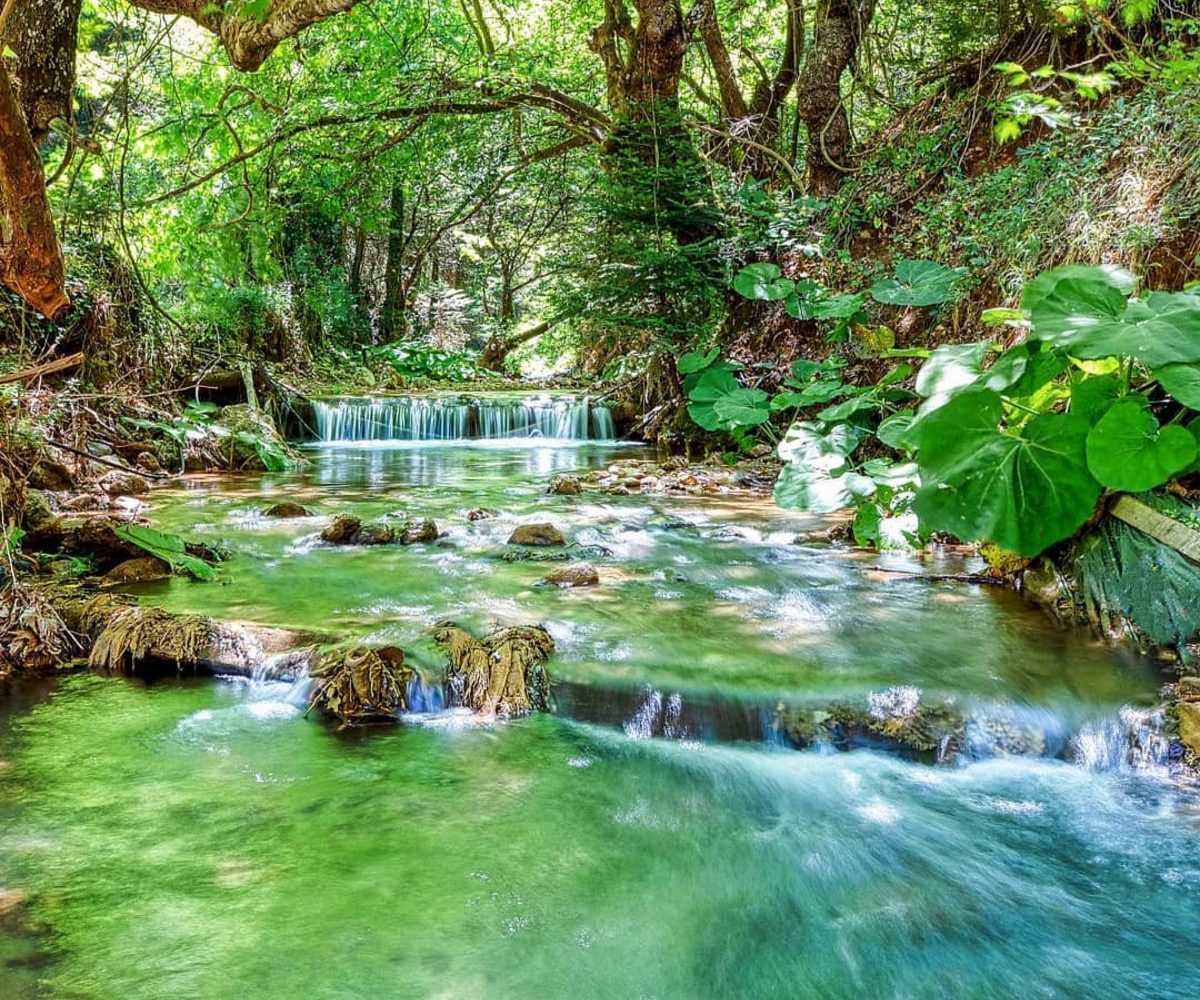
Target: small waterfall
{"x":457,"y":418}
{"x":1132,"y":741}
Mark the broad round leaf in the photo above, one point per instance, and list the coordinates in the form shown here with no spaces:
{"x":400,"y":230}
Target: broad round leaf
{"x":1023,"y":490}
{"x":818,"y":490}
{"x":949,"y":368}
{"x":742,"y":408}
{"x":1127,"y":450}
{"x":763,"y":282}
{"x":918,"y":283}
{"x":695,"y":361}
{"x":1182,"y":382}
{"x":1066,"y":302}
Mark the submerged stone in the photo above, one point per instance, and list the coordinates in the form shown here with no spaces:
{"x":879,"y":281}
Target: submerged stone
{"x":580,"y":574}
{"x":565,"y":486}
{"x":536,"y":534}
{"x":142,"y":570}
{"x":287,"y":509}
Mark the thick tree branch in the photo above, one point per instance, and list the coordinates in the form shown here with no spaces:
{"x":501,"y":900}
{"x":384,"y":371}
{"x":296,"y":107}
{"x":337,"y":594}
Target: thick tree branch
{"x":249,"y":39}
{"x":31,"y":262}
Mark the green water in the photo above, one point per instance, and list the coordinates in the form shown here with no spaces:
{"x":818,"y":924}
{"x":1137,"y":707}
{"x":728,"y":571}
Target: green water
{"x":203,"y":839}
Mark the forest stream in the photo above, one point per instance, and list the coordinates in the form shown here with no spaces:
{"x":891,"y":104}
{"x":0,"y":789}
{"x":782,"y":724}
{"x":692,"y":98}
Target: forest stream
{"x":657,"y":835}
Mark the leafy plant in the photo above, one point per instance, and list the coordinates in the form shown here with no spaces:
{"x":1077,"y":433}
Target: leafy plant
{"x":171,"y":549}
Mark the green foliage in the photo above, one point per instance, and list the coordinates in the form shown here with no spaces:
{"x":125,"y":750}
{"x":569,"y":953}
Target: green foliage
{"x":1128,"y":450}
{"x":171,"y":549}
{"x":414,"y":360}
{"x":918,"y":283}
{"x":1123,"y":570}
{"x":914,"y":283}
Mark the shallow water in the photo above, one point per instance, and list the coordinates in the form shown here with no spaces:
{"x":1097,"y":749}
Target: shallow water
{"x":203,"y":839}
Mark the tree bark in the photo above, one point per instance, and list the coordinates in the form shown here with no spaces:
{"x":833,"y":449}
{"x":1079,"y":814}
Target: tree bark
{"x":31,"y":261}
{"x":391,"y":320}
{"x":43,"y":35}
{"x":248,"y":39}
{"x":839,"y":29}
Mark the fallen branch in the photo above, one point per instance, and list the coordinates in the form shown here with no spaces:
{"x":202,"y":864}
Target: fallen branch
{"x":49,"y":368}
{"x":103,"y":461}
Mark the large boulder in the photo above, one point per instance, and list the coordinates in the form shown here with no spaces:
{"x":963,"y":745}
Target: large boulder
{"x":141,"y":570}
{"x":1189,"y":724}
{"x":421,"y":530}
{"x":251,"y":434}
{"x":536,"y":534}
{"x":48,"y":474}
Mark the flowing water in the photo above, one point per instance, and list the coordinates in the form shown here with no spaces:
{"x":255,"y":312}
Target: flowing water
{"x":654,"y":838}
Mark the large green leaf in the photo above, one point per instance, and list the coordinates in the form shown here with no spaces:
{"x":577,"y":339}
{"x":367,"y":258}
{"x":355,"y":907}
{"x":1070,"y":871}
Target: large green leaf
{"x":742,"y":408}
{"x":1161,"y":329}
{"x":762,"y":282}
{"x":950,"y":368}
{"x":820,"y":490}
{"x":695,"y":361}
{"x":1092,"y":395}
{"x":1023,"y":489}
{"x":918,"y":283}
{"x":171,"y":549}
{"x":1066,"y":302}
{"x":1127,"y":450}
{"x":1182,"y":382}
{"x":712,"y":385}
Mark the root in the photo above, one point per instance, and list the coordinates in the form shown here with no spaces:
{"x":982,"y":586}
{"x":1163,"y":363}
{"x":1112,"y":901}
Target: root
{"x":134,"y":634}
{"x":358,"y":683}
{"x":503,"y":673}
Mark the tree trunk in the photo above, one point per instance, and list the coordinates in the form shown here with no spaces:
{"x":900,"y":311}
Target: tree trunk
{"x":391,"y":321}
{"x":43,"y":34}
{"x":31,"y":261}
{"x":839,"y":29}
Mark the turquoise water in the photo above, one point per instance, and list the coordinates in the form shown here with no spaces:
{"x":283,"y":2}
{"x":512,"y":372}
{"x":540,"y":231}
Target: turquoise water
{"x":204,"y":839}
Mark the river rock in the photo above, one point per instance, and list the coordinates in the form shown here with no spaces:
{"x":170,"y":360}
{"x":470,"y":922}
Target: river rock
{"x":503,"y":673}
{"x":565,"y":486}
{"x":422,"y":530}
{"x":342,"y":530}
{"x":579,"y":574}
{"x":287,"y":509}
{"x":149,"y":461}
{"x":536,"y":534}
{"x":141,"y":570}
{"x":48,"y":474}
{"x":1189,"y":724}
{"x":119,"y":483}
{"x":480,"y":514}
{"x":37,"y":511}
